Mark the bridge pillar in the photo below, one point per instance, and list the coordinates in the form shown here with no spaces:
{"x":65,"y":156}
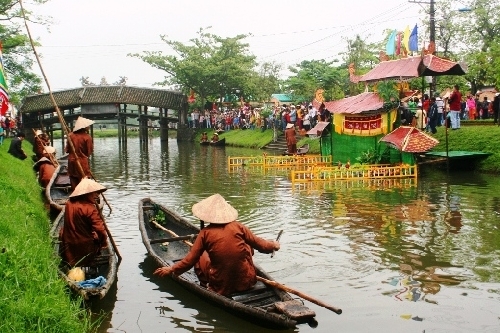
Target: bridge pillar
{"x":143,"y":123}
{"x":163,"y":125}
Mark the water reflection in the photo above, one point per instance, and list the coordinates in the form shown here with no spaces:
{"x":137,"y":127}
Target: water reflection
{"x":372,"y":248}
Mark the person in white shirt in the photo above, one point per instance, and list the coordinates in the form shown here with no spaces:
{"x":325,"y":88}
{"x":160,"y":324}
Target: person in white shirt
{"x":440,"y":107}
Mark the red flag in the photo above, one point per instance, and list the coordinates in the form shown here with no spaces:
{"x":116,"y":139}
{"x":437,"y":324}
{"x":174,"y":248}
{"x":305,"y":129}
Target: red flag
{"x":4,"y":95}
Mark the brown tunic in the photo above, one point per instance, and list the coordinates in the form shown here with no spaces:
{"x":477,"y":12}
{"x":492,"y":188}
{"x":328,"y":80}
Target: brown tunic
{"x":39,"y":147}
{"x":83,"y":234}
{"x":228,"y":267}
{"x":45,"y":173}
{"x":84,"y":147}
{"x":291,"y":140}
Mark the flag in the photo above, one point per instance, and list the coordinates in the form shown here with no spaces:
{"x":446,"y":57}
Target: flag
{"x":413,"y":41}
{"x":398,"y":44}
{"x":406,"y":38}
{"x":4,"y":95}
{"x":391,"y":44}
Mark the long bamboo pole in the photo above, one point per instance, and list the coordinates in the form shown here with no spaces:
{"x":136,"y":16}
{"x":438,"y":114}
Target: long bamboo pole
{"x":64,"y":126}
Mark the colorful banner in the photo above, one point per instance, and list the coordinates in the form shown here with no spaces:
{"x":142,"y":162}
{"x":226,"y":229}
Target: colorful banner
{"x":4,"y":95}
{"x":390,"y":48}
{"x":413,"y":41}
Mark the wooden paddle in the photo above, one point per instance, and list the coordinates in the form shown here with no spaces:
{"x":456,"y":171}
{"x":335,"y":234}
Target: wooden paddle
{"x":171,"y":239}
{"x":269,"y":282}
{"x":300,"y":294}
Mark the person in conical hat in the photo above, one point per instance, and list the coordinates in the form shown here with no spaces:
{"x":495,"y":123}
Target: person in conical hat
{"x":84,"y":234}
{"x":222,"y":252}
{"x":84,"y":147}
{"x":45,"y":170}
{"x":41,"y":140}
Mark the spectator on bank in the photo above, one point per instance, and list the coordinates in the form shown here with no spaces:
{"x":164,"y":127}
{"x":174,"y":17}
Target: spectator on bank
{"x":2,"y":135}
{"x":433,"y":115}
{"x":485,"y":104}
{"x":455,"y":101}
{"x":440,"y":107}
{"x":16,"y":148}
{"x":471,"y":105}
{"x":496,"y":107}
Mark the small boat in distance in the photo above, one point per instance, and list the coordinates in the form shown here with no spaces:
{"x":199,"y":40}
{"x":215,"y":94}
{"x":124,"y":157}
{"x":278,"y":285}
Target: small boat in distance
{"x":219,"y":143}
{"x":263,"y":304}
{"x":205,"y":143}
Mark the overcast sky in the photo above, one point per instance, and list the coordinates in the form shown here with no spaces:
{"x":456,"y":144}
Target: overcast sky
{"x":93,"y":37}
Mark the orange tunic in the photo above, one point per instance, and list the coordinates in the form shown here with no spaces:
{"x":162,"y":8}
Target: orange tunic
{"x":229,"y":267}
{"x":84,"y":147}
{"x":39,"y":147}
{"x":291,"y":140}
{"x":45,"y":173}
{"x":83,"y":234}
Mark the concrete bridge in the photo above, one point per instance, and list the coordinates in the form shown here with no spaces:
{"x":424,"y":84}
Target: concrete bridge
{"x":107,"y":103}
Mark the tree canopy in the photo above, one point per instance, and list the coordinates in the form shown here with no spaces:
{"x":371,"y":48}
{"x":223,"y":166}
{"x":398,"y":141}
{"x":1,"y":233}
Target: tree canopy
{"x":18,"y":57}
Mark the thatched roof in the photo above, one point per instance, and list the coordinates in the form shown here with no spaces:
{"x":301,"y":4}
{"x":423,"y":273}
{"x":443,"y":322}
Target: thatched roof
{"x":73,"y":98}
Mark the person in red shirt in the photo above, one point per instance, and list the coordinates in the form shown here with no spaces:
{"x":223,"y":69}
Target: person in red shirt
{"x":455,"y":101}
{"x":84,"y":234}
{"x":84,"y":146}
{"x":222,"y":252}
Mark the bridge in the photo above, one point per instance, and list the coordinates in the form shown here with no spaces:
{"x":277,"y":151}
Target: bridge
{"x":105,"y":103}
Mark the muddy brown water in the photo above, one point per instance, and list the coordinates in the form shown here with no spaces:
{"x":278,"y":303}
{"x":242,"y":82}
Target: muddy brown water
{"x":396,"y":257}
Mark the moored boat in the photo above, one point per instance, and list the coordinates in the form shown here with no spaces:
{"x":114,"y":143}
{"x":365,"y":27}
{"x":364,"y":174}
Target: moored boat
{"x":59,"y":187}
{"x":219,"y":143}
{"x":106,"y":266}
{"x":204,"y":143}
{"x":263,"y":304}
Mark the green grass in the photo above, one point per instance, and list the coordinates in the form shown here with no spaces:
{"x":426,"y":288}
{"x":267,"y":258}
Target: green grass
{"x":33,"y":298}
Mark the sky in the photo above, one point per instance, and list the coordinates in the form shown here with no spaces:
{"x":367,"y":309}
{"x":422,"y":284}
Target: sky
{"x":91,"y":38}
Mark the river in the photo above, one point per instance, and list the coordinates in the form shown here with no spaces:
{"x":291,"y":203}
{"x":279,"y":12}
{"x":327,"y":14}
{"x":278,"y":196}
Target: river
{"x":394,"y":256}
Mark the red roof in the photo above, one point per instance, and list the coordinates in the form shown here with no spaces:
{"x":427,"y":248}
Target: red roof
{"x":410,"y":140}
{"x":368,"y":101}
{"x":411,"y":67}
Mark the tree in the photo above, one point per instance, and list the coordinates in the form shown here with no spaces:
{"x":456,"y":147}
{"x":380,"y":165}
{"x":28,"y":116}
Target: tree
{"x":311,"y":75}
{"x":210,"y":65}
{"x":18,"y":57}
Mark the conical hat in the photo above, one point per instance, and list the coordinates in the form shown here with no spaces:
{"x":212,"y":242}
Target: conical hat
{"x":86,"y":186}
{"x":82,"y":123}
{"x":36,"y":166}
{"x":49,"y":150}
{"x":38,"y":132}
{"x":215,"y":209}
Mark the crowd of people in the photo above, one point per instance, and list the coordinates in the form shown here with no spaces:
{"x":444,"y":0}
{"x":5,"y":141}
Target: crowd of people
{"x":428,"y":113}
{"x":303,"y":116}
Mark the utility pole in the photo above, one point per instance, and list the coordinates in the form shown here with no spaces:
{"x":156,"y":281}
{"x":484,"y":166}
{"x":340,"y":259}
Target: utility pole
{"x":432,"y":35}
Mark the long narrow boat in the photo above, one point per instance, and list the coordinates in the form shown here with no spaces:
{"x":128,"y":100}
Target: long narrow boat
{"x":204,"y":143}
{"x":59,"y":187}
{"x":219,"y":143}
{"x":263,"y":305}
{"x":106,"y":266}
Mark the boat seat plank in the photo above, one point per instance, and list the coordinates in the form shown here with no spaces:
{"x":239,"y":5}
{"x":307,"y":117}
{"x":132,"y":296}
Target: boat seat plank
{"x":294,"y":309}
{"x":252,"y":297}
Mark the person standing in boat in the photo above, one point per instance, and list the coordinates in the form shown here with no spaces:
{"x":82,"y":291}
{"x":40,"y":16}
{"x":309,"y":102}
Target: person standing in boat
{"x":84,"y":147}
{"x":291,"y":140}
{"x":222,"y":252}
{"x":45,"y":167}
{"x":84,"y":234}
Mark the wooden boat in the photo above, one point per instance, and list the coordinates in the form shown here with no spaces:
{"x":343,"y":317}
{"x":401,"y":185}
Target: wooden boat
{"x":300,"y":151}
{"x":220,"y":143}
{"x":205,"y":143}
{"x":107,"y":265}
{"x":260,"y":305}
{"x":59,"y":187}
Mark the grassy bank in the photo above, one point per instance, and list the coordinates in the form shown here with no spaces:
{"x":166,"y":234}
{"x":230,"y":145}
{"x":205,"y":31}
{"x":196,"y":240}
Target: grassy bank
{"x":33,"y":297}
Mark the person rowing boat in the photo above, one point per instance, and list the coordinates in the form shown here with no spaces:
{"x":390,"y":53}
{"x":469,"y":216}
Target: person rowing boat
{"x":222,"y":252}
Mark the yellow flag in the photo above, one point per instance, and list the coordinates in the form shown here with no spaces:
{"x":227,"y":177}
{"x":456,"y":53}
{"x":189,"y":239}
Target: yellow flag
{"x":406,"y":38}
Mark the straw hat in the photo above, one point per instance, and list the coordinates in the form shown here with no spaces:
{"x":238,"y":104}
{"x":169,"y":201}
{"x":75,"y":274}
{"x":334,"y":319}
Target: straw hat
{"x":215,"y":209}
{"x":86,"y":186}
{"x":82,"y":123}
{"x":49,"y":150}
{"x":36,"y":166}
{"x":290,"y":125}
{"x":38,"y":132}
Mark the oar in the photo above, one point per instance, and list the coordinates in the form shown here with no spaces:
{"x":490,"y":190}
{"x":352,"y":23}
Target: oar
{"x":171,"y":239}
{"x":277,"y":239}
{"x":300,"y":294}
